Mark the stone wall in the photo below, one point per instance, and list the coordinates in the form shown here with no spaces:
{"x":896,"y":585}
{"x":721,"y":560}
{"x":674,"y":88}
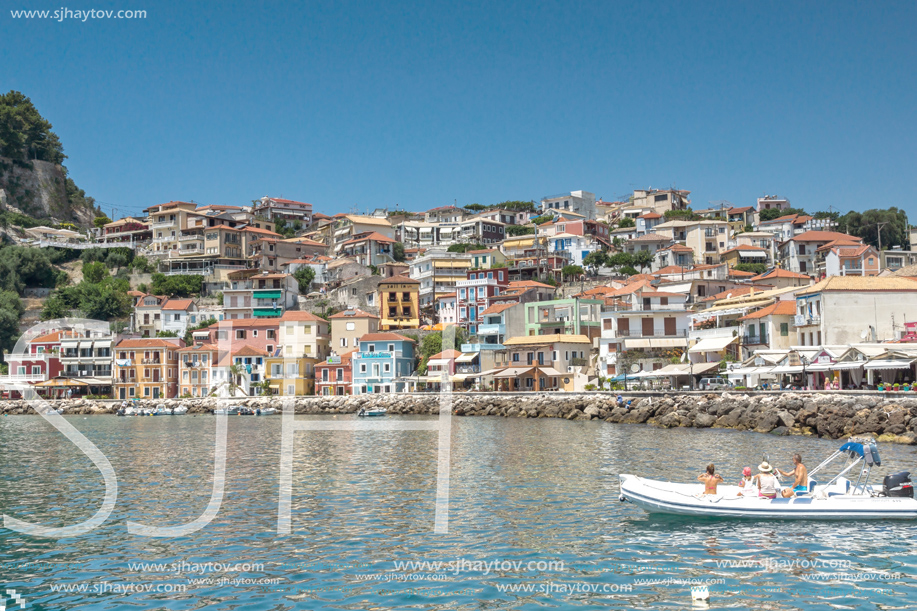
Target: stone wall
{"x":889,"y":417}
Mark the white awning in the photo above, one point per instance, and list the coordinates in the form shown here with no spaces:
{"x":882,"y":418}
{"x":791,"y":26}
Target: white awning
{"x":467,"y":358}
{"x":888,"y":364}
{"x":549,"y":371}
{"x":787,"y":369}
{"x":661,"y":342}
{"x":712,"y":344}
{"x":490,"y":372}
{"x":513,"y":372}
{"x":752,"y":253}
{"x":703,"y":367}
{"x":443,"y":362}
{"x":461,"y":377}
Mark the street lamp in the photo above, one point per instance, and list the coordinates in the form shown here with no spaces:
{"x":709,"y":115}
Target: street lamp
{"x":693,"y":381}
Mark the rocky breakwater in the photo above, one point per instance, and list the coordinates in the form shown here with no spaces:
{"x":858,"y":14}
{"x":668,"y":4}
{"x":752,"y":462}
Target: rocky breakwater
{"x":832,"y":415}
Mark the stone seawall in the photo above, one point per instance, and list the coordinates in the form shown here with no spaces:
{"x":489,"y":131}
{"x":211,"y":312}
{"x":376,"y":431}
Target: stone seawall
{"x":832,"y":415}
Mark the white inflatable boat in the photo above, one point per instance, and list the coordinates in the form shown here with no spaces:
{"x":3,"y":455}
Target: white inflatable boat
{"x":838,"y":499}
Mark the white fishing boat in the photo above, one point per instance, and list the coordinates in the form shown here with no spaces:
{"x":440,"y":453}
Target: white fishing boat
{"x":228,"y":411}
{"x":266,"y":411}
{"x":374,"y":412}
{"x":839,"y":498}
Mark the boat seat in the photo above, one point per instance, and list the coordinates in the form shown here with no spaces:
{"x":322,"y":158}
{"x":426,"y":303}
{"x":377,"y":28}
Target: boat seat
{"x":780,"y":501}
{"x":805,"y":500}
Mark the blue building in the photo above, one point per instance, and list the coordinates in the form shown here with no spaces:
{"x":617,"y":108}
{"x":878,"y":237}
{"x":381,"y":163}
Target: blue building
{"x":382,"y":363}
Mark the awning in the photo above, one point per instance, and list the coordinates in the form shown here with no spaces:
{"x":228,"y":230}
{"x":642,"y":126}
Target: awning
{"x":549,"y":371}
{"x":888,"y":364}
{"x":438,"y":362}
{"x":267,"y":312}
{"x":61,"y":383}
{"x":266,"y":294}
{"x":513,"y":372}
{"x":679,"y":369}
{"x":712,"y":344}
{"x":490,"y":372}
{"x":461,"y":377}
{"x":467,"y":358}
{"x":787,"y":369}
{"x":662,"y":342}
{"x":752,"y":253}
{"x":703,"y":367}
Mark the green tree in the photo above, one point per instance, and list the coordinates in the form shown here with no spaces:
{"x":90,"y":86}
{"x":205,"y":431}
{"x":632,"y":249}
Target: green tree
{"x":475,"y":207}
{"x":866,"y":225}
{"x":621,"y":259}
{"x":304,"y":276}
{"x":757,"y":268}
{"x":643,"y":259}
{"x":769,"y":214}
{"x":166,"y":334}
{"x":176,"y":286}
{"x":24,"y":134}
{"x":106,"y":301}
{"x":94,"y":272}
{"x":54,"y":307}
{"x":517,"y":230}
{"x":594,"y":260}
{"x":203,"y":324}
{"x":22,"y":267}
{"x":626,"y":222}
{"x":142,"y":265}
{"x":544,"y":218}
{"x":681,"y":215}
{"x":433,"y":344}
{"x":628,"y":270}
{"x":465,"y":247}
{"x":516,"y":205}
{"x":573,"y":271}
{"x":11,"y":310}
{"x":398,"y":251}
{"x":100,"y":221}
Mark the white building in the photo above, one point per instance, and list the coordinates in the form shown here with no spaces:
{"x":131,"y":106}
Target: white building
{"x":580,"y":202}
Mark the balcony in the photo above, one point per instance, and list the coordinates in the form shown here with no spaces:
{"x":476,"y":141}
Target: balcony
{"x":468,"y":369}
{"x":754,"y":340}
{"x":497,"y":329}
{"x":164,"y":224}
{"x":578,"y":362}
{"x":186,"y":238}
{"x":803,"y":320}
{"x":22,"y":378}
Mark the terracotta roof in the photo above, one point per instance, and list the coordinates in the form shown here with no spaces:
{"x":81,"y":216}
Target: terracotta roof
{"x":178,"y":304}
{"x":260,"y":231}
{"x":529,"y":284}
{"x":247,"y":322}
{"x":740,"y":274}
{"x":481,"y":252}
{"x":852,"y":251}
{"x":151,"y":342}
{"x":650,"y":215}
{"x":738,"y":210}
{"x":660,"y":294}
{"x":823,"y":236}
{"x":199,"y":348}
{"x":733,"y":292}
{"x":529,"y":340}
{"x":780,"y":308}
{"x":377,"y":237}
{"x":741,"y":248}
{"x":447,"y":354}
{"x":498,"y":307}
{"x":402,"y":279}
{"x":354,"y":313}
{"x":291,"y":201}
{"x":300,"y":316}
{"x":679,"y":247}
{"x":779,"y":273}
{"x":54,"y":336}
{"x":651,"y":237}
{"x":861,"y":283}
{"x":385,"y":337}
{"x":639,"y":277}
{"x":249,"y":351}
{"x":448,"y":296}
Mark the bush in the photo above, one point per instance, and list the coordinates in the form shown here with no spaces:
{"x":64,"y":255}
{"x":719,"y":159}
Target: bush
{"x":177,"y":286}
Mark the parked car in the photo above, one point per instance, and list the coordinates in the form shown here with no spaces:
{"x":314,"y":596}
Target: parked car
{"x":714,"y":384}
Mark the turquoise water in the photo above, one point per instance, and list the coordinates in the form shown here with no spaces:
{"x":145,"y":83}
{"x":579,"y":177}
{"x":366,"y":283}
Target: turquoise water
{"x":543,"y":492}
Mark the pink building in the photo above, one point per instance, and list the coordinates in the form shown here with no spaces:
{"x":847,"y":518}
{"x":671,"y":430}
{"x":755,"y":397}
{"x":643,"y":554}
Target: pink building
{"x":40,"y":363}
{"x":476,"y":293}
{"x":260,"y":333}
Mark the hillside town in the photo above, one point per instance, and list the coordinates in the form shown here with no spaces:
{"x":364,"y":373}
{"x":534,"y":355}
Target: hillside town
{"x":571,"y":293}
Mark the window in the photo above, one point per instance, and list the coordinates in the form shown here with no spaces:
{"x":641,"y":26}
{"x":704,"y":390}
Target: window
{"x":387,"y":367}
{"x":255,"y":333}
{"x":362,"y":367}
{"x":391,"y":347}
{"x":343,"y":342}
{"x":371,"y":348}
{"x":146,"y":391}
{"x":240,"y":334}
{"x":784,"y":329}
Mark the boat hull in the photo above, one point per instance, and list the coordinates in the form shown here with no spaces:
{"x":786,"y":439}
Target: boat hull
{"x":657,"y":497}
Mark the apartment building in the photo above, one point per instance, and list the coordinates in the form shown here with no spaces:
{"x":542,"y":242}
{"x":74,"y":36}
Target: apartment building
{"x":446,"y":214}
{"x":660,"y":200}
{"x":262,"y":333}
{"x":770,"y":202}
{"x":440,"y":268}
{"x":399,"y":303}
{"x":303,"y":334}
{"x":579,"y":202}
{"x":349,"y":326}
{"x":272,"y":254}
{"x":507,"y":217}
{"x":41,"y":361}
{"x":241,"y":372}
{"x":500,"y":322}
{"x":370,"y":249}
{"x":708,"y":239}
{"x":540,"y":363}
{"x":383,"y":363}
{"x":476,"y":293}
{"x":196,"y":366}
{"x":800,"y":253}
{"x":290,"y":377}
{"x":334,"y":376}
{"x":273,"y":208}
{"x":128,"y":230}
{"x":745,"y":255}
{"x":86,"y":354}
{"x":768,"y":328}
{"x":258,"y":294}
{"x":859,"y":260}
{"x":564,"y":316}
{"x":146,"y":368}
{"x":349,"y":226}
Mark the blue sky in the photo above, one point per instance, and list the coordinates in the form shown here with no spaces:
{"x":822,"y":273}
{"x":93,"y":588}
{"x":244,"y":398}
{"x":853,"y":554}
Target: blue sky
{"x":421,"y":104}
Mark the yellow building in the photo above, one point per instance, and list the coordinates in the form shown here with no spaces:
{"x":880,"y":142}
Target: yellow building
{"x":399,"y":303}
{"x":290,"y":377}
{"x":146,"y":368}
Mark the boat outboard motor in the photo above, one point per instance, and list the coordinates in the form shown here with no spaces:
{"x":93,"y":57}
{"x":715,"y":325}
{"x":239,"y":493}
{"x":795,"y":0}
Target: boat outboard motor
{"x":898,"y":484}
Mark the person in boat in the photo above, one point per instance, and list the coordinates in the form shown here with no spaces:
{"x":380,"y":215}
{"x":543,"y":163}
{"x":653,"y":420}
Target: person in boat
{"x":710,"y":479}
{"x":747,"y":484}
{"x":362,"y":411}
{"x":766,"y":481}
{"x":800,"y":477}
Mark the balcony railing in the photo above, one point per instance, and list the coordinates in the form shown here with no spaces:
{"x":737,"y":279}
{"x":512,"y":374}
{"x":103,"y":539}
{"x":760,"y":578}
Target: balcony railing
{"x":802,"y":320}
{"x":578,"y":362}
{"x":493,"y":329}
{"x":468,"y":369}
{"x":165,"y":223}
{"x":22,"y":378}
{"x":754,"y":340}
{"x":185,"y":238}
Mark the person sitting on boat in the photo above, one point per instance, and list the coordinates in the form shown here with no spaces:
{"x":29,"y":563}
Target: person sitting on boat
{"x":767,"y":483}
{"x":800,"y":475}
{"x":710,"y":479}
{"x":747,"y":484}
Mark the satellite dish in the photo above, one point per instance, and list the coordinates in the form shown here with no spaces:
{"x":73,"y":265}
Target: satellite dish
{"x":684,"y":356}
{"x":864,"y":334}
{"x":634,"y":368}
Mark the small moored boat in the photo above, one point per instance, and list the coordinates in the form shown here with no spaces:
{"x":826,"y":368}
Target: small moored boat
{"x":838,"y":499}
{"x":227,"y":411}
{"x":368,"y":413}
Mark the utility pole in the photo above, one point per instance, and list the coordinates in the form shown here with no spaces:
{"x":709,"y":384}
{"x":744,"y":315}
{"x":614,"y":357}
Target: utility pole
{"x":879,"y":227}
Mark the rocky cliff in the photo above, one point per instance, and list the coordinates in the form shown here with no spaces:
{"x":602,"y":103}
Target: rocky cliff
{"x":38,"y":189}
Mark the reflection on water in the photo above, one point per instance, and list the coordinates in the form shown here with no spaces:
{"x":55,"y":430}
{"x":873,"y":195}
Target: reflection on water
{"x":522,"y":491}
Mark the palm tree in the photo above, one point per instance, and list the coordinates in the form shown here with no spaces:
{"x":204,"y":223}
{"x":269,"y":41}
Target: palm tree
{"x":235,"y":373}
